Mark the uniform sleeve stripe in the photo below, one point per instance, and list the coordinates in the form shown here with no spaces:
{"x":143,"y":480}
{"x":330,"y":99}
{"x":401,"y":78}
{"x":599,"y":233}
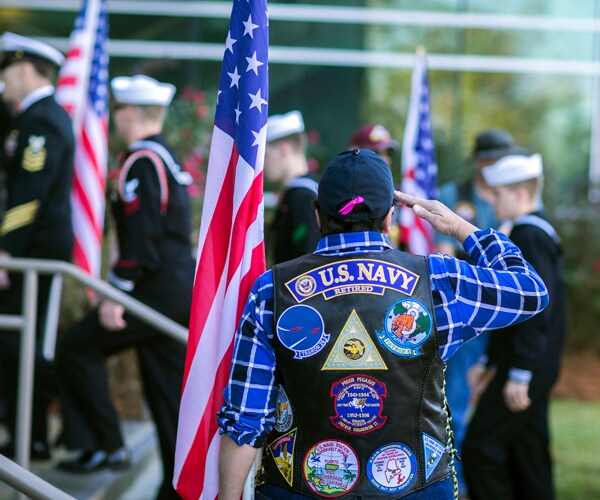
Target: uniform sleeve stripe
{"x":19,"y":216}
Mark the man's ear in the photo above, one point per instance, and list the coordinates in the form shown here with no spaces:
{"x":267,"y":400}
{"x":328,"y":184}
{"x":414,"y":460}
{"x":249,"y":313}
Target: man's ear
{"x":387,"y":223}
{"x":318,"y":218}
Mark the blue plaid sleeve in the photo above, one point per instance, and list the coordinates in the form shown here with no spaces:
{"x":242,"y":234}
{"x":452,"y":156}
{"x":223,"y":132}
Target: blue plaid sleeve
{"x":250,"y":396}
{"x":501,"y":289}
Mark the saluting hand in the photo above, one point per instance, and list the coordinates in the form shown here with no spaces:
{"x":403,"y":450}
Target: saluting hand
{"x":110,"y":315}
{"x":437,"y":214}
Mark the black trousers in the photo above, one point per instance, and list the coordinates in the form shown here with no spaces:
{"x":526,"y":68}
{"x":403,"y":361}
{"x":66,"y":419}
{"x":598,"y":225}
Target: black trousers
{"x":506,"y":455}
{"x":90,"y":420}
{"x":45,"y":386}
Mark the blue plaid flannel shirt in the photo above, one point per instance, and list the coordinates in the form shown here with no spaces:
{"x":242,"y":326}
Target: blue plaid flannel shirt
{"x":500,"y":290}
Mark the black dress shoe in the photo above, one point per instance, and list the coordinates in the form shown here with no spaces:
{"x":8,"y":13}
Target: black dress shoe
{"x":92,"y":461}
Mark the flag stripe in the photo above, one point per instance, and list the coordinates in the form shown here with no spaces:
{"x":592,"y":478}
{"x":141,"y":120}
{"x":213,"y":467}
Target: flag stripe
{"x":82,"y":89}
{"x":231,"y":249}
{"x":419,"y":169}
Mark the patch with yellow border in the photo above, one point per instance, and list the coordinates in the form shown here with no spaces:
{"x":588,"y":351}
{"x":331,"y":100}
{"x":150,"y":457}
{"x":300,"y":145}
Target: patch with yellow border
{"x":34,"y":155}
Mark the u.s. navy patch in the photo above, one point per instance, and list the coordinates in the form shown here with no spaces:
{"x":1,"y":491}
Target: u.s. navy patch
{"x":283,"y":411}
{"x":358,"y":404}
{"x":353,"y":276}
{"x":301,"y":329}
{"x":34,"y":155}
{"x":392,"y":468}
{"x":282,"y":451}
{"x":407,"y":325}
{"x":434,"y":450}
{"x":354,"y":349}
{"x":331,"y":468}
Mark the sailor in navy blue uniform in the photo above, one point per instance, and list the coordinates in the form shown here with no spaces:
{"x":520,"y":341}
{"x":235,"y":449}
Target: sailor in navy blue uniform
{"x":36,"y":159}
{"x":506,"y":451}
{"x":152,"y":214}
{"x":294,"y":230}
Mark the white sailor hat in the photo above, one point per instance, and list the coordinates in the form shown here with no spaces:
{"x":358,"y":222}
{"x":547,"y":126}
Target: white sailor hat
{"x":15,"y":46}
{"x":279,"y":126}
{"x":512,"y":169}
{"x":141,"y":90}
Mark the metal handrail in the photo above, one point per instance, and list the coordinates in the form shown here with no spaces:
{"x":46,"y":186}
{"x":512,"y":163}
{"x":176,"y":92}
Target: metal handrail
{"x":26,"y":482}
{"x":27,"y":324}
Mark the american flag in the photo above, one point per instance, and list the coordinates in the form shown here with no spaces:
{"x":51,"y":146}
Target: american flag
{"x":82,"y":89}
{"x":231,"y":247}
{"x":419,"y":168}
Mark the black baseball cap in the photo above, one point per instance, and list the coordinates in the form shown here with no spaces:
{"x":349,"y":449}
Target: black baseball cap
{"x":354,"y":177}
{"x":493,"y":143}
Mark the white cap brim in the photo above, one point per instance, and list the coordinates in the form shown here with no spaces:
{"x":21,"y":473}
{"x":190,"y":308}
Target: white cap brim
{"x":141,"y":90}
{"x":279,"y":126}
{"x":11,"y":42}
{"x":512,"y":169}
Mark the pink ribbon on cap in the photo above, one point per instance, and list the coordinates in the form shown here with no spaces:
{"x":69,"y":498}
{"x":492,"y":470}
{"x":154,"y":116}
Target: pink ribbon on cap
{"x":348,"y":207}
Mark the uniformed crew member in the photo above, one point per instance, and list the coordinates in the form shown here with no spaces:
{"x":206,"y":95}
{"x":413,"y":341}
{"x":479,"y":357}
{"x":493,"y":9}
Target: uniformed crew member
{"x":339,"y":358}
{"x":471,"y":200}
{"x":36,"y":156}
{"x":294,"y":230}
{"x":156,"y":266}
{"x":506,"y":450}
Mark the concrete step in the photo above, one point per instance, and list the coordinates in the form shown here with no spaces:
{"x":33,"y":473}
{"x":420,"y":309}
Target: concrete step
{"x":139,"y":482}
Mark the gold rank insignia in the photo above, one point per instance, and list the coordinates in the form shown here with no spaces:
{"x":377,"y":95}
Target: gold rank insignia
{"x":34,"y":155}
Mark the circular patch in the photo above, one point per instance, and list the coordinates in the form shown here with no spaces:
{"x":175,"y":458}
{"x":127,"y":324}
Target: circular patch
{"x":358,"y":404}
{"x":301,"y":329}
{"x":306,"y":286}
{"x":407,"y":325}
{"x":284,"y":411}
{"x":354,"y":349}
{"x":392,"y":468}
{"x":331,"y":468}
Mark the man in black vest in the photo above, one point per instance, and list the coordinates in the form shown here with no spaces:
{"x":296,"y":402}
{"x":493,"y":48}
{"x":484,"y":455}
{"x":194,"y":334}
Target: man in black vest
{"x":36,"y":160}
{"x":338,"y":366}
{"x":152,"y":213}
{"x":506,"y":450}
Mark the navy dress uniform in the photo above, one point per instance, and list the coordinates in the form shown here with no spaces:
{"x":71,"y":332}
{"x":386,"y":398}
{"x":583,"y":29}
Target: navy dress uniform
{"x":36,"y":157}
{"x":294,"y":230}
{"x":506,"y":450}
{"x":151,"y":209}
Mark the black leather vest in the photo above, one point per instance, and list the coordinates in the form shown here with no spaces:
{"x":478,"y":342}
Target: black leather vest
{"x":360,"y":410}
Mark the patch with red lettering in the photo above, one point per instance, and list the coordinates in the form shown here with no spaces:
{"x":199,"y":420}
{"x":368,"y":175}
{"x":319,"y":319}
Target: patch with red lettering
{"x":331,"y":468}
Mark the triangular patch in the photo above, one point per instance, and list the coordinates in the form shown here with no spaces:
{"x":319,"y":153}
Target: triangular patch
{"x":434,"y":450}
{"x":354,"y":349}
{"x":282,"y":451}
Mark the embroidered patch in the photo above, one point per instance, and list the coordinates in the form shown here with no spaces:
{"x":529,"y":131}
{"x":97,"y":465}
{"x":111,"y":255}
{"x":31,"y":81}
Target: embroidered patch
{"x":434,"y":450}
{"x":331,"y":468}
{"x":282,"y":451}
{"x":358,"y":404}
{"x":34,"y":155}
{"x":129,"y":193}
{"x":354,"y":349}
{"x":284,"y":411}
{"x":353,"y":276}
{"x":407,"y":325}
{"x":301,"y":329}
{"x":392,"y":468}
